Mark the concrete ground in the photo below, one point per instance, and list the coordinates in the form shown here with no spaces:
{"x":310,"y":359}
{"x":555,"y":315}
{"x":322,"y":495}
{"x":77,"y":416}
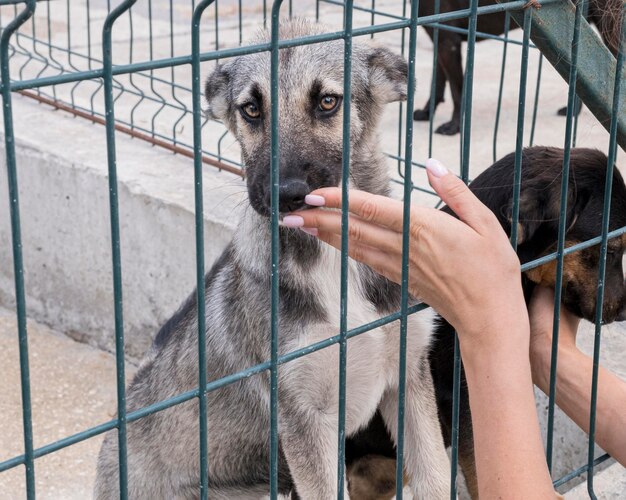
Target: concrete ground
{"x":73,"y":388}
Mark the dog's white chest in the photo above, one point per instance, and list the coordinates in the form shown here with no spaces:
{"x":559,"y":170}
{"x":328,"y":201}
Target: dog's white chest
{"x":327,"y":285}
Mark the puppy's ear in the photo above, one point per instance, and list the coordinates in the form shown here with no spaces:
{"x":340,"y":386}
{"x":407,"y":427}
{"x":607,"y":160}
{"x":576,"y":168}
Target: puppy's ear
{"x":216,"y":92}
{"x":540,"y":209}
{"x":388,"y":73}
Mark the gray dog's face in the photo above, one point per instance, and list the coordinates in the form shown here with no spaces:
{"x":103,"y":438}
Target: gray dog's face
{"x":311,"y":108}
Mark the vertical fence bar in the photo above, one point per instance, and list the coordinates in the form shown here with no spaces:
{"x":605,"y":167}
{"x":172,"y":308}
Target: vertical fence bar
{"x":199,"y":222}
{"x":603,"y":248}
{"x":531,"y":141}
{"x":519,"y":144}
{"x":115,"y":239}
{"x":578,"y":104}
{"x":274,"y":194}
{"x":400,"y":104}
{"x":466,"y":115}
{"x":507,"y":20}
{"x":16,"y":237}
{"x":343,"y":304}
{"x":433,"y":82}
{"x":406,"y":220}
{"x":571,"y":102}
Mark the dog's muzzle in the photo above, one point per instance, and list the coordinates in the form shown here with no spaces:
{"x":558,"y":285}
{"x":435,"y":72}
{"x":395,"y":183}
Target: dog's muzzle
{"x":291,"y":193}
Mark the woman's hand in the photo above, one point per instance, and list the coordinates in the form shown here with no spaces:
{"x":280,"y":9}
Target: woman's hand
{"x":465,"y":269}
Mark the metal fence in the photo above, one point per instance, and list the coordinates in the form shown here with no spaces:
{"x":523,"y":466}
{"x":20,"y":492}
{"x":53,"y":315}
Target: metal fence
{"x":148,"y":96}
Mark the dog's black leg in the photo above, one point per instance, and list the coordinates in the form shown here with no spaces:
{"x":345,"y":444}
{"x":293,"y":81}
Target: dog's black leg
{"x":577,"y":108}
{"x":450,"y":56}
{"x":422,"y":115}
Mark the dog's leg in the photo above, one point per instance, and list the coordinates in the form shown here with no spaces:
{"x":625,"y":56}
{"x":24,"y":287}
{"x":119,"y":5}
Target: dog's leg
{"x":425,"y":460}
{"x":450,"y":56}
{"x":578,"y":106}
{"x":308,"y":423}
{"x":309,"y":441}
{"x":440,"y":87}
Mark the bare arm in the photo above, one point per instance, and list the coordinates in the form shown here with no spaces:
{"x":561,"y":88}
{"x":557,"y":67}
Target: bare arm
{"x":468,"y":272}
{"x":574,"y":373}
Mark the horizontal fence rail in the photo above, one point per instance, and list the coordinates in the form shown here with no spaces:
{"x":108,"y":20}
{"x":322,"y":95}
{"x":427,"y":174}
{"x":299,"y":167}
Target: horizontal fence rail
{"x":157,"y":97}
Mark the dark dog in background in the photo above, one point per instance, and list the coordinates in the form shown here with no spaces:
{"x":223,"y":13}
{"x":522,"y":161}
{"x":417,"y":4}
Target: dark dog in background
{"x":605,"y":14}
{"x":538,"y":233}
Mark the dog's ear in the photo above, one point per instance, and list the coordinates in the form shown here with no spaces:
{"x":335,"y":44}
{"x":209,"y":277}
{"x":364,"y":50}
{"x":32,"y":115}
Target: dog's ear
{"x":216,"y":92}
{"x":540,"y":209}
{"x":388,"y":73}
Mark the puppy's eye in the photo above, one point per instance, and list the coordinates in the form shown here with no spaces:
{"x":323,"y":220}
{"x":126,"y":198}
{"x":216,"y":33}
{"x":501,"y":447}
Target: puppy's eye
{"x":251,"y":111}
{"x":328,"y":104}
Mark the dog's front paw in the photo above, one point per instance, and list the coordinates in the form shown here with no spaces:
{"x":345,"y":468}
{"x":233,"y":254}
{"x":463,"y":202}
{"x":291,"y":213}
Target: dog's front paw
{"x":563,"y":110}
{"x":421,"y":115}
{"x":449,"y":128}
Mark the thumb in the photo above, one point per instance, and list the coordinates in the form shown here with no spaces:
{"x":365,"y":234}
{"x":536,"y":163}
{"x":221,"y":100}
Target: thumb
{"x":455,"y":193}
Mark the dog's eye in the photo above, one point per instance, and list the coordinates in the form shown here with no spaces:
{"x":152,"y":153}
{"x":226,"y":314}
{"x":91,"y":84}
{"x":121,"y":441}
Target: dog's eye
{"x":251,"y":111}
{"x":329,"y":104}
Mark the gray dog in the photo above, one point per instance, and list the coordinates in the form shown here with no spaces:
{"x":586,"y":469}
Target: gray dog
{"x":163,"y":448}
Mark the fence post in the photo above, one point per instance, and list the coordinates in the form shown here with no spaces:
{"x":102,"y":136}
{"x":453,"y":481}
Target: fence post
{"x":115,"y":239}
{"x":16,"y":235}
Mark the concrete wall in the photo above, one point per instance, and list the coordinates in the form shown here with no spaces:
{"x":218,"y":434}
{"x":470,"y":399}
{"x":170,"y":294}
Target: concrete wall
{"x":64,"y":201}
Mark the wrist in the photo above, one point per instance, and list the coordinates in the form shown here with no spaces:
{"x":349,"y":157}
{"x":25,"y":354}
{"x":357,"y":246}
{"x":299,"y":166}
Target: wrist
{"x":541,"y":358}
{"x":505,"y":329}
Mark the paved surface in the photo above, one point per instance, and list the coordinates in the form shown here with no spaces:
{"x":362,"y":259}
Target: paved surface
{"x":73,"y":388}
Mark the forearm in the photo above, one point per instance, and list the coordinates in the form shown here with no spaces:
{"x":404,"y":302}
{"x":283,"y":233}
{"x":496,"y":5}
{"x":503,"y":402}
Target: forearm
{"x":573,"y":395}
{"x":510,"y":459}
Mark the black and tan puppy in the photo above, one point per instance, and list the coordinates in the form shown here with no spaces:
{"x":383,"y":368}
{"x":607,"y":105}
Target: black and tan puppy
{"x":605,"y":14}
{"x":538,"y":233}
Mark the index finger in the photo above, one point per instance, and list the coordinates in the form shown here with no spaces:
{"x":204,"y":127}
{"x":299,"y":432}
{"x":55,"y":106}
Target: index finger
{"x":374,"y":208}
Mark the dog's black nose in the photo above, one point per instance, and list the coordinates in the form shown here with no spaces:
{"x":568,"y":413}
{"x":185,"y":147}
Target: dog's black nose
{"x":291,"y":195}
{"x":622,"y":315}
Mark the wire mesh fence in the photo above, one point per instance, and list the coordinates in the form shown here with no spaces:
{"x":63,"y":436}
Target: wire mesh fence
{"x":136,"y":67}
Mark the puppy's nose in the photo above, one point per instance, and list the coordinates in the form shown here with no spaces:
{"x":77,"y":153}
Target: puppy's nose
{"x":622,"y":315}
{"x":291,"y":195}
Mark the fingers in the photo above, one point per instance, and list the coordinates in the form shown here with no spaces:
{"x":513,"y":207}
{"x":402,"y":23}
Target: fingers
{"x":359,"y":230}
{"x":379,"y":261}
{"x":371,"y":208}
{"x":455,"y":193}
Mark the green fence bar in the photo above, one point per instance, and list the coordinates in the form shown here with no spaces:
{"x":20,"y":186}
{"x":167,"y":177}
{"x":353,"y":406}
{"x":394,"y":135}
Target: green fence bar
{"x":603,"y":249}
{"x":343,"y":303}
{"x":16,"y":236}
{"x":406,"y":221}
{"x":107,"y":55}
{"x":466,"y":127}
{"x":274,"y":196}
{"x":519,"y":141}
{"x":571,"y":101}
{"x":196,"y":82}
{"x":433,"y":82}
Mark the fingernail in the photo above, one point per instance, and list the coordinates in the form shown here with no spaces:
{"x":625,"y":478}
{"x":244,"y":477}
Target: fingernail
{"x":293,"y":221}
{"x":436,"y":168}
{"x":315,"y":200}
{"x":309,"y":230}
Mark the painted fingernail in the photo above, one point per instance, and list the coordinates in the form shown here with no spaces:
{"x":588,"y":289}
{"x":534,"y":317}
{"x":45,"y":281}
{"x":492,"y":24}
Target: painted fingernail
{"x":293,"y":221}
{"x":436,"y":168}
{"x":310,"y":230}
{"x":315,"y":200}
